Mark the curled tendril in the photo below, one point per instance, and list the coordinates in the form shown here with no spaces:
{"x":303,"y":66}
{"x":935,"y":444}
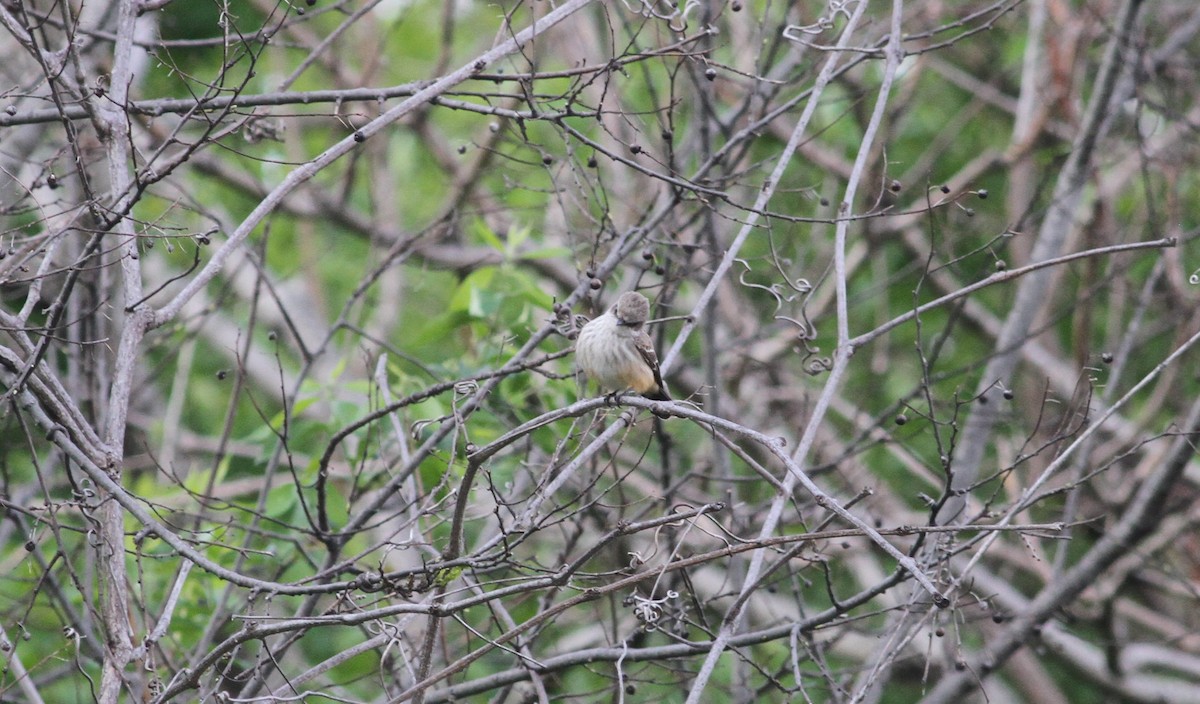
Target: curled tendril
{"x":383,"y":628}
{"x":807,"y":330}
{"x":789,"y":32}
{"x":772,"y":289}
{"x":393,"y":635}
{"x":813,"y":365}
{"x":419,"y":426}
{"x":86,"y":490}
{"x":824,"y":22}
{"x":676,"y":19}
{"x":680,"y":508}
{"x":816,"y":365}
{"x":1194,"y":279}
{"x":799,"y":287}
{"x":466,"y":387}
{"x":649,"y":611}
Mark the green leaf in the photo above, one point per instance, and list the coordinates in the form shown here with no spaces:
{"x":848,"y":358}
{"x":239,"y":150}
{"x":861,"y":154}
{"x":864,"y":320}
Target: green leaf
{"x":197,"y":482}
{"x":447,"y":575}
{"x":516,"y":236}
{"x":281,"y":501}
{"x":468,"y":296}
{"x":552,"y":252}
{"x":484,"y":303}
{"x":489,"y":238}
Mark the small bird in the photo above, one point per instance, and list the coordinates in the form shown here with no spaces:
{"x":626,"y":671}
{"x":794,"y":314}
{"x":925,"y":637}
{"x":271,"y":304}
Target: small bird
{"x":615,"y":350}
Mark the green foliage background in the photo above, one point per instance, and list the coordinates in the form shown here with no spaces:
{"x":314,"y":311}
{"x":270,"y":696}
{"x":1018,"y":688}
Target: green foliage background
{"x":419,"y":264}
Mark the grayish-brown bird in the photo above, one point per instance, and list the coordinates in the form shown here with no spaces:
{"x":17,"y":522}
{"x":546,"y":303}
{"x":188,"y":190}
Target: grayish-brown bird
{"x":615,"y":350}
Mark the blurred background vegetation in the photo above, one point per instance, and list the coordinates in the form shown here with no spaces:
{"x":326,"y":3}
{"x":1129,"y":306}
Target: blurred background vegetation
{"x":343,"y":382}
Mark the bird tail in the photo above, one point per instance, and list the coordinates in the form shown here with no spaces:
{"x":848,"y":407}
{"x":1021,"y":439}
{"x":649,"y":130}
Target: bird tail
{"x":658,"y":394}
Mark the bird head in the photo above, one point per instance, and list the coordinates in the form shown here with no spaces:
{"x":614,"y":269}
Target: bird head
{"x":632,"y":309}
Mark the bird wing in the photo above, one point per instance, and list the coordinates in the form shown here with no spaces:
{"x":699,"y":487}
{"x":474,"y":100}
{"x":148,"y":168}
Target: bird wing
{"x":646,"y":349}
